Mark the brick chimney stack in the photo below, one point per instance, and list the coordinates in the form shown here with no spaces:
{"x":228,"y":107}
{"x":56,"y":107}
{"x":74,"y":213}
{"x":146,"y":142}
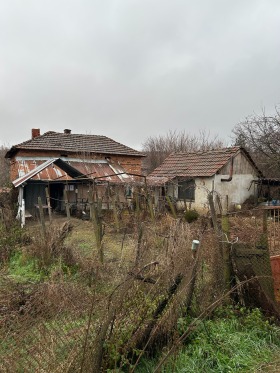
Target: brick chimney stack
{"x":67,"y":131}
{"x":35,"y":132}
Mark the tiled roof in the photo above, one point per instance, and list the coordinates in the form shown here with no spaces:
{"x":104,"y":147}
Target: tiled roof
{"x":197,"y":164}
{"x":75,"y":143}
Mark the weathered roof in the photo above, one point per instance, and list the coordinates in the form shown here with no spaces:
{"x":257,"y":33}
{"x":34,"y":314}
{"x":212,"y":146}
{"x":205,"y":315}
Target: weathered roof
{"x":68,"y":142}
{"x":42,"y":171}
{"x":57,"y":169}
{"x":196,"y":164}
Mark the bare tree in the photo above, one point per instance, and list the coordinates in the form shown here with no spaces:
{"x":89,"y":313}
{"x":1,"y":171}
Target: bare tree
{"x":4,"y":167}
{"x":260,"y":134}
{"x":159,"y":147}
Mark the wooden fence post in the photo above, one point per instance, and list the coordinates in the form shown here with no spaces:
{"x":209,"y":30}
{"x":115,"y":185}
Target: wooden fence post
{"x":97,"y":224}
{"x":42,"y":218}
{"x":67,"y":207}
{"x":224,"y":247}
{"x":172,"y":208}
{"x":49,"y":203}
{"x":149,"y":202}
{"x":264,"y":238}
{"x":226,"y":252}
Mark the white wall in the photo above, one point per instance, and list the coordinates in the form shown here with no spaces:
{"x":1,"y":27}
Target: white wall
{"x":230,"y":193}
{"x":238,"y":189}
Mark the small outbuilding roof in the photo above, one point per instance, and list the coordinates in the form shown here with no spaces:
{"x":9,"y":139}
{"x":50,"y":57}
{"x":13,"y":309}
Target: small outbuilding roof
{"x":63,"y":166}
{"x":196,"y":164}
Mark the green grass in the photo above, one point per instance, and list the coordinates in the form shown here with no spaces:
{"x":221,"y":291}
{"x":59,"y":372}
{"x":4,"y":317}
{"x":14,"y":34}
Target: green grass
{"x":237,"y":341}
{"x":23,"y":268}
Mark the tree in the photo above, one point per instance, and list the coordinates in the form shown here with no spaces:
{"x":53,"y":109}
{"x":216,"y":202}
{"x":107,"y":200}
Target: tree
{"x":159,"y":147}
{"x":4,"y":167}
{"x":260,"y":135}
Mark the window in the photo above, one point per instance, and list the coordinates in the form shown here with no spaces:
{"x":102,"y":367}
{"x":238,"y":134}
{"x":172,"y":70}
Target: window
{"x":128,"y":191}
{"x":186,"y":189}
{"x":69,"y":187}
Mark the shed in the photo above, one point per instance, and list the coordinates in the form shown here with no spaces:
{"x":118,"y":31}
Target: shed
{"x":189,"y":177}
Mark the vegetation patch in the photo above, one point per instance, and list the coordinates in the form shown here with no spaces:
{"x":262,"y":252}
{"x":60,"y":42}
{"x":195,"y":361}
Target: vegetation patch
{"x":191,"y":215}
{"x":235,"y":340}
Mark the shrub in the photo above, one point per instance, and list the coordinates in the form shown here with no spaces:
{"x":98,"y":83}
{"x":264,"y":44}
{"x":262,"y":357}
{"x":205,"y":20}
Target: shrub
{"x":191,"y":215}
{"x":10,"y":238}
{"x":49,"y":247}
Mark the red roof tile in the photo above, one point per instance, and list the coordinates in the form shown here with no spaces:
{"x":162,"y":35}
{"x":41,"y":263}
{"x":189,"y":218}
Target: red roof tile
{"x":75,"y":143}
{"x":197,"y":164}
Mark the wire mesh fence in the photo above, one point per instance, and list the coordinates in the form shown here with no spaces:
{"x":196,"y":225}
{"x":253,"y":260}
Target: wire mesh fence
{"x":78,"y":325}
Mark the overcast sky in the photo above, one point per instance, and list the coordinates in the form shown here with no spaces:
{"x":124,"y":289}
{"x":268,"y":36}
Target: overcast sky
{"x":130,"y":69}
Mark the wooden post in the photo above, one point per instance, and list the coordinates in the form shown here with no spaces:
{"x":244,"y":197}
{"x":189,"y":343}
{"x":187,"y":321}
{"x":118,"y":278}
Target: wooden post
{"x":149,"y":202}
{"x":108,"y":196}
{"x":42,"y":218}
{"x":264,"y":238}
{"x":224,"y":248}
{"x":97,"y":225}
{"x":49,"y":203}
{"x":213,"y":213}
{"x":137,"y":202}
{"x":139,"y":241}
{"x":172,"y":208}
{"x":115,"y":213}
{"x":112,"y":199}
{"x":22,"y":213}
{"x":226,"y":252}
{"x":190,"y":289}
{"x":67,"y":207}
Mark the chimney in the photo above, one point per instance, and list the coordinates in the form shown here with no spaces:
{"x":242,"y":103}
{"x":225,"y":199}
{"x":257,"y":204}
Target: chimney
{"x":35,"y":132}
{"x":68,"y":132}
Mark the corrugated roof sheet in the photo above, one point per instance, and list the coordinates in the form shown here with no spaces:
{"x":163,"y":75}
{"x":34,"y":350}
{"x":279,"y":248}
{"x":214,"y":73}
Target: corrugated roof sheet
{"x":65,"y":142}
{"x":56,"y":169}
{"x":197,"y":164}
{"x":51,"y":169}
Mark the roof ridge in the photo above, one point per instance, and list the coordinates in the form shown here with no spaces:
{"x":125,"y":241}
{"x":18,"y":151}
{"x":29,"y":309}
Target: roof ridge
{"x":209,"y":150}
{"x":71,"y":142}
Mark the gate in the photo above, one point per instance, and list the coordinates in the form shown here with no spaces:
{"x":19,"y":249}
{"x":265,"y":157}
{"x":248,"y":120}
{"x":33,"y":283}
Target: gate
{"x":250,"y":262}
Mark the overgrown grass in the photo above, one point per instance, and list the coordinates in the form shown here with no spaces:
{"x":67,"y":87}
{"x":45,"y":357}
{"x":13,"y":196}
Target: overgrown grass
{"x":10,"y":237}
{"x":23,"y":268}
{"x":125,"y":301}
{"x":233,"y":341}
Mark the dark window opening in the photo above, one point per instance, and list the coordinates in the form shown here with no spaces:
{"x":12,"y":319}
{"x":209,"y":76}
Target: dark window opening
{"x":186,"y":190}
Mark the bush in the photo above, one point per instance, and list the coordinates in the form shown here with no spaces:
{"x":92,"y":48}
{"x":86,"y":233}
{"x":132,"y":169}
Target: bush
{"x":191,"y":215}
{"x":10,"y":238}
{"x":49,"y":247}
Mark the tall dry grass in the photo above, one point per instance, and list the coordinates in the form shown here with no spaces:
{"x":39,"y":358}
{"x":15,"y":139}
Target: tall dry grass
{"x":108,"y":316}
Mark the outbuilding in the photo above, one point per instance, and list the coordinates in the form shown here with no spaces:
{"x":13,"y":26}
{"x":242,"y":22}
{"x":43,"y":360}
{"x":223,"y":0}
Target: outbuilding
{"x":188,"y":178}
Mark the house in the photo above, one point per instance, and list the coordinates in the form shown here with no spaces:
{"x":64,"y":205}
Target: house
{"x":70,"y":163}
{"x":189,"y":177}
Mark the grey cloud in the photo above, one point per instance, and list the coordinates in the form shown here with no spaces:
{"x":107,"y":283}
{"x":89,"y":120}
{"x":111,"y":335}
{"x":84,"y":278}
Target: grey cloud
{"x":130,"y":69}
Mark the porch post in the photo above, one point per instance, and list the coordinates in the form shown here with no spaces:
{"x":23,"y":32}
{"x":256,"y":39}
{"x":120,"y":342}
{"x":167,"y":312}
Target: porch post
{"x":21,"y":207}
{"x":22,"y":213}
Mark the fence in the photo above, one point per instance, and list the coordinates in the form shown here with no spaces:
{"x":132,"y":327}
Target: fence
{"x":134,"y":304}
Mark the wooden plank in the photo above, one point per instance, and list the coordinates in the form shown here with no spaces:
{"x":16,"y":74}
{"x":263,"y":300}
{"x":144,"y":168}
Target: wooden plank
{"x":249,"y":252}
